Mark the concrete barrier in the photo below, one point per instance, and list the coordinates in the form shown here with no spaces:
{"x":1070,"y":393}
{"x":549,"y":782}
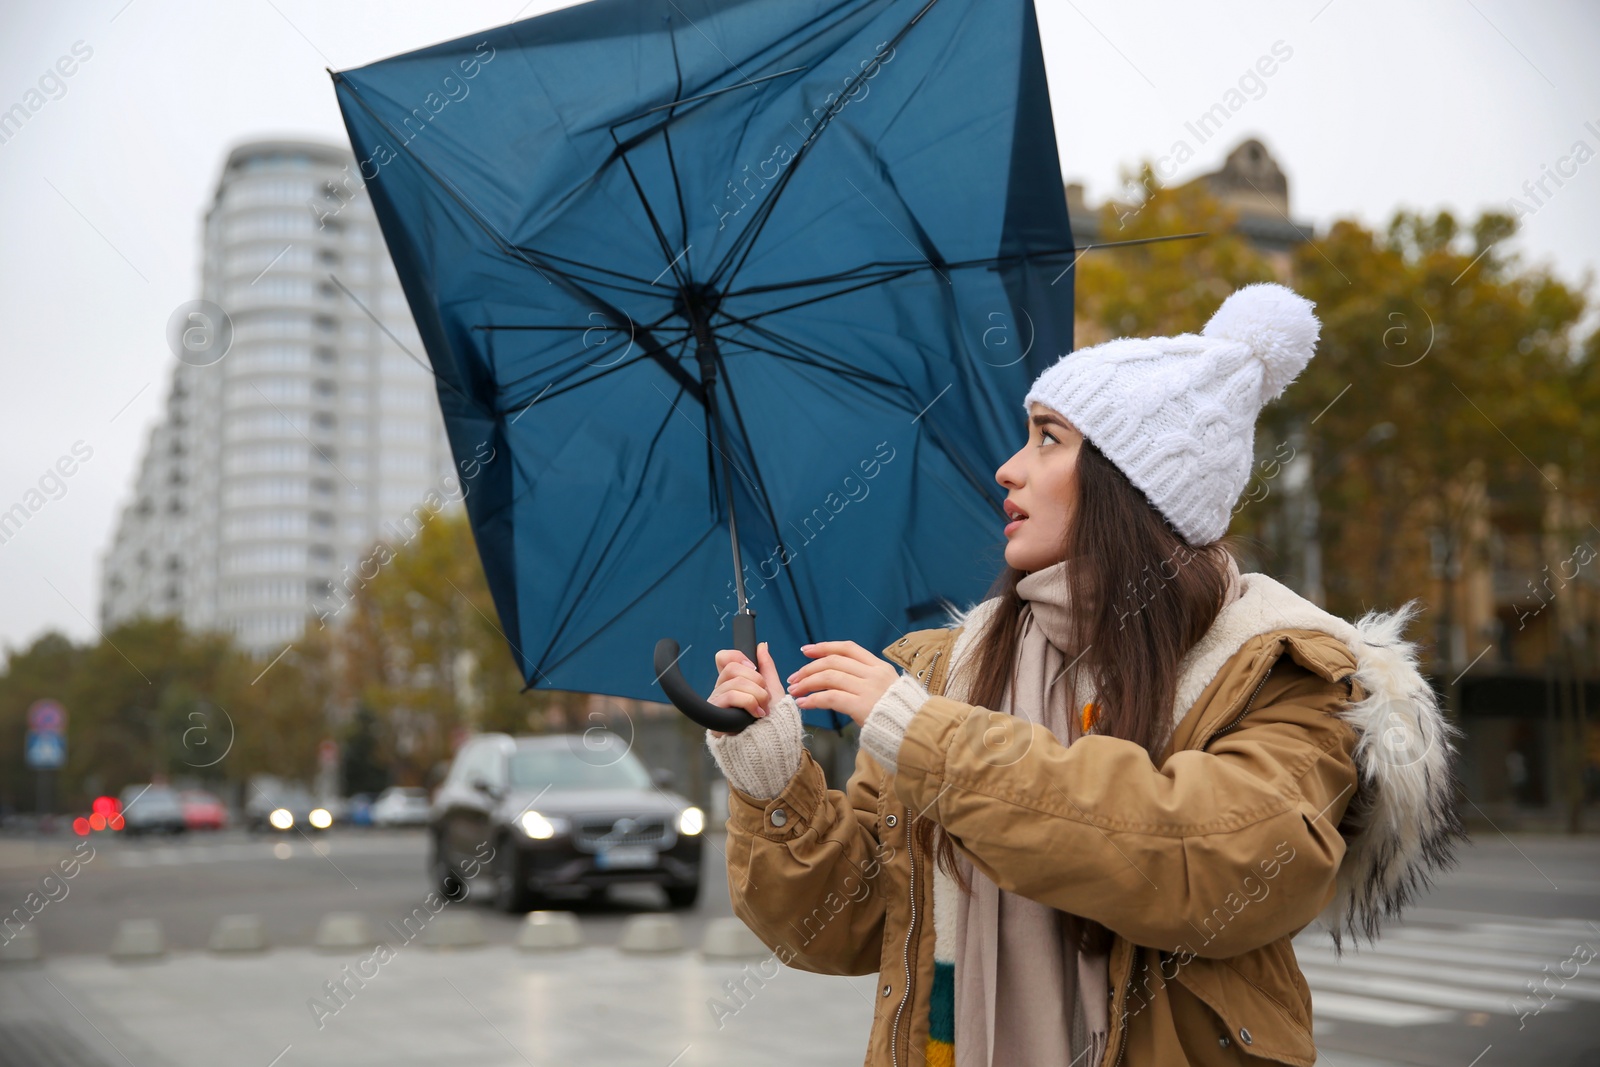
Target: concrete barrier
{"x":651,"y":933}
{"x":545,"y":930}
{"x":138,"y":939}
{"x":340,"y":931}
{"x":23,"y":947}
{"x":453,"y":929}
{"x":728,"y":938}
{"x":239,"y":933}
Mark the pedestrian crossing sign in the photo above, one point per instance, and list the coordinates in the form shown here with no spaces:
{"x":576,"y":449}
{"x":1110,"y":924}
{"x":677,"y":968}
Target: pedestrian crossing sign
{"x":46,"y":751}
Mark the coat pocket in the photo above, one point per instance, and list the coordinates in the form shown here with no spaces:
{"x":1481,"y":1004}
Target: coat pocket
{"x":1259,"y":1000}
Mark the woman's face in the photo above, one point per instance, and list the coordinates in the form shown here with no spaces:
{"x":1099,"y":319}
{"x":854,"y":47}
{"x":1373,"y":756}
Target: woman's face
{"x":1042,"y":483}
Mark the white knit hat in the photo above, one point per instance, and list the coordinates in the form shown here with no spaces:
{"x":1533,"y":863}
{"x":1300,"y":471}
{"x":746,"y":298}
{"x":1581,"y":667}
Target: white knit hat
{"x":1178,"y":414}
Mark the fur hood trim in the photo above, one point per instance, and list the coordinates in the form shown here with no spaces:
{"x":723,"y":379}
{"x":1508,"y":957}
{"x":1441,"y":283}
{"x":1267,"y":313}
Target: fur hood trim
{"x":1402,"y":827}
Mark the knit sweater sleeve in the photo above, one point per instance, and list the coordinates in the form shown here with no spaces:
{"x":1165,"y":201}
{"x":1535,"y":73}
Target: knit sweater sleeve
{"x":885,"y":726}
{"x":761,"y":758}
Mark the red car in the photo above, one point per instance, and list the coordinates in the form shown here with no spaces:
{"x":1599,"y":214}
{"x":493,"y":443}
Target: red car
{"x":203,"y":811}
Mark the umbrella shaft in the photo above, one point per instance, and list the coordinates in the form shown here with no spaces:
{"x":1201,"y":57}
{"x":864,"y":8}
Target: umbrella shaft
{"x":706,"y":354}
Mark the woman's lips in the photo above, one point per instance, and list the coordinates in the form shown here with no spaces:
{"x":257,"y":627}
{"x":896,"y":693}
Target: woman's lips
{"x":1012,"y":527}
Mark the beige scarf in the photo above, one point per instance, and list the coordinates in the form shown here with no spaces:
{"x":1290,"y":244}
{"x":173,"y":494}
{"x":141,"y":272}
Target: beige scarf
{"x":1024,"y":994}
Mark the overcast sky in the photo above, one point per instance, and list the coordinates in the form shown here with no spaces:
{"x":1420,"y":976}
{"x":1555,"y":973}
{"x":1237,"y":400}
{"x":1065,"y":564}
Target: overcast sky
{"x":1378,"y":106}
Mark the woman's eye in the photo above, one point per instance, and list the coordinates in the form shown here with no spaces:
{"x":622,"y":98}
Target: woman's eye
{"x":1046,"y":435}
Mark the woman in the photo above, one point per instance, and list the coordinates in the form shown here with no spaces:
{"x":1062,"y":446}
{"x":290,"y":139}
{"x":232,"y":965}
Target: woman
{"x":1088,"y":815}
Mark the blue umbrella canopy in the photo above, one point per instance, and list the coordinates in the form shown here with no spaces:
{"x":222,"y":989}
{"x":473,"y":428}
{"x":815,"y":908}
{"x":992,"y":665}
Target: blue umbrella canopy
{"x":707,"y":279}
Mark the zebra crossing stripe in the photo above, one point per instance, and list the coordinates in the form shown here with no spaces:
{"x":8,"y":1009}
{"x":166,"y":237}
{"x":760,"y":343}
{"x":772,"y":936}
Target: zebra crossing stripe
{"x":1514,"y":984}
{"x":1412,"y":951}
{"x":1435,"y":994}
{"x":1352,"y":1009}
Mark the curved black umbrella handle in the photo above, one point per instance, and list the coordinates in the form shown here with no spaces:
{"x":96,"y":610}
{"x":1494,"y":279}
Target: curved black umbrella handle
{"x":682,"y":694}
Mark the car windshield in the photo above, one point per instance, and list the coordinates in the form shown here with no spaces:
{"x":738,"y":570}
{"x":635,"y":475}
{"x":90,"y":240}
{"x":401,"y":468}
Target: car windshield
{"x":564,"y":768}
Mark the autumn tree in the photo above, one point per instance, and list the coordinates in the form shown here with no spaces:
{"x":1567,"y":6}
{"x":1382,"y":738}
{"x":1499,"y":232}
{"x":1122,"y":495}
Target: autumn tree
{"x":421,"y":646}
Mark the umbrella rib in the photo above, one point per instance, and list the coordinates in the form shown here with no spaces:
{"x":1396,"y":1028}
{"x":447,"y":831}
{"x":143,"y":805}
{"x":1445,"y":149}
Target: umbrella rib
{"x":649,"y":329}
{"x":821,"y":358}
{"x":477,"y":216}
{"x":747,"y":237}
{"x":672,"y":161}
{"x":702,"y":96}
{"x":848,"y":372}
{"x":891,"y":268}
{"x":744,"y":320}
{"x":591,"y":266}
{"x":656,"y":352}
{"x":911,"y":268}
{"x":581,"y":596}
{"x":438,"y":179}
{"x":655,"y":224}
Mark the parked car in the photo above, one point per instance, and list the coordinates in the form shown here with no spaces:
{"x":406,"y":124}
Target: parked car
{"x":149,"y":809}
{"x":525,"y":816}
{"x":271,"y":804}
{"x":203,"y":810}
{"x":401,"y":806}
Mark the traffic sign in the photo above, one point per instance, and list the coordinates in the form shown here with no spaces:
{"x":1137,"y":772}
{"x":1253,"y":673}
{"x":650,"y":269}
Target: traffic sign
{"x":45,"y":750}
{"x":47,"y":717}
{"x":328,"y":754}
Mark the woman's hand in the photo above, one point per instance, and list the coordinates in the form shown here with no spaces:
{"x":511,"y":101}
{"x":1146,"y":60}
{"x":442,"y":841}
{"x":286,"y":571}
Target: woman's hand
{"x":844,"y":677}
{"x":740,"y":685}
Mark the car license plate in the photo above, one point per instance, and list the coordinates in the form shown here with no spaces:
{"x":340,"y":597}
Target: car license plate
{"x":625,"y":856}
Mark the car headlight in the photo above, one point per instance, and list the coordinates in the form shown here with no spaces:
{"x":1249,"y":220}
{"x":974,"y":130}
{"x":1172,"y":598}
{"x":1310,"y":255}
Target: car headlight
{"x":691,"y":820}
{"x":321,"y":818}
{"x":281,"y":819}
{"x":542,"y":827}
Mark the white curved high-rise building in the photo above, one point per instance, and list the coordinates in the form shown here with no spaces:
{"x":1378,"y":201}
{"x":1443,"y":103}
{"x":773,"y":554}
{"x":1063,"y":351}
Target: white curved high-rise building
{"x":278,"y":466}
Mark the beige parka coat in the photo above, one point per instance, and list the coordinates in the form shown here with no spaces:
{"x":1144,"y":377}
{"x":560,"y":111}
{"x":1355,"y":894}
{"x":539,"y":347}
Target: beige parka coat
{"x":1308,"y":777}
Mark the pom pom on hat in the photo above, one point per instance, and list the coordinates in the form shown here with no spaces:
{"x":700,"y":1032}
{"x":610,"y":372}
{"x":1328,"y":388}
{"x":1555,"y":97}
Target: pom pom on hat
{"x":1276,"y":324}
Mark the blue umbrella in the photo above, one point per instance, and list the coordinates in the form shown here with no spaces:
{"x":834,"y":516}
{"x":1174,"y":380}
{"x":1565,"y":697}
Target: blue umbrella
{"x":692,"y":272}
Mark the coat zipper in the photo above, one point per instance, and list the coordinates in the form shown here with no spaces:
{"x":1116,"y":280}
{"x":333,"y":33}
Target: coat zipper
{"x":911,"y":855}
{"x":1237,"y":719}
{"x":1122,"y":1046}
{"x":926,"y":678}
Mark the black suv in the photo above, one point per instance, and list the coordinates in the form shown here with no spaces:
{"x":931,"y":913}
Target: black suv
{"x":523,"y":815}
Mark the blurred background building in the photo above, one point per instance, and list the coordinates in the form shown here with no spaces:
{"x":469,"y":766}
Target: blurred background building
{"x":314,"y":434}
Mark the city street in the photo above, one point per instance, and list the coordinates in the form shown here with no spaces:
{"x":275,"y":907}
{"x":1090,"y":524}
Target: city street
{"x":1449,"y":988}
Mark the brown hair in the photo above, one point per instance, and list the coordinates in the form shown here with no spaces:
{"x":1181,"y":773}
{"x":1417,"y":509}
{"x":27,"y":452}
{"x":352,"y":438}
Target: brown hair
{"x":1165,"y":597}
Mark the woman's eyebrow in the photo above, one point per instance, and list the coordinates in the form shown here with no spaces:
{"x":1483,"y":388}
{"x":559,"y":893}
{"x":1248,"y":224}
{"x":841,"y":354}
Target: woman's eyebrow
{"x":1050,"y":417}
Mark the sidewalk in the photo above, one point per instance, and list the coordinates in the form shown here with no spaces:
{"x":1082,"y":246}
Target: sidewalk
{"x":488,"y":1006}
{"x":492,"y":1007}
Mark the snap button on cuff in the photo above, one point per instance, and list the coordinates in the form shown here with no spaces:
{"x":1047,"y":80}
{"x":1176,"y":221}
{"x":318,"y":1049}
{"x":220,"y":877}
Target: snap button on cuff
{"x":1223,"y":1041}
{"x":1244,"y":1035}
{"x":886,"y":990}
{"x":890,"y":820}
{"x":778,"y":817}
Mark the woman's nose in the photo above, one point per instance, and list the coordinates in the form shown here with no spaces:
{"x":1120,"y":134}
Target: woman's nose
{"x":1005,"y":479}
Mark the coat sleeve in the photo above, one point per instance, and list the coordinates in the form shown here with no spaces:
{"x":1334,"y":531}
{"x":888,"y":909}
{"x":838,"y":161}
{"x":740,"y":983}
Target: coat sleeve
{"x":1216,"y":851}
{"x":807,"y":872}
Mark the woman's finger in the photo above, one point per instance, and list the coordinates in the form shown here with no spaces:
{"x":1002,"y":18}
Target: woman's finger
{"x":833,"y":662}
{"x":843,"y":648}
{"x":740,"y":692}
{"x":843,"y":680}
{"x":769,"y":672}
{"x":852,"y":705}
